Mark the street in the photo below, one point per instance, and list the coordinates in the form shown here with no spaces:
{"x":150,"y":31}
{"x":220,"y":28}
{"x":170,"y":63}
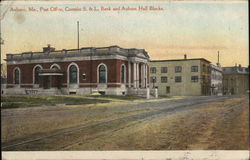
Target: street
{"x":206,"y":122}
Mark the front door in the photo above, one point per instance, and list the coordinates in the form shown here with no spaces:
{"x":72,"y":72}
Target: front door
{"x":46,"y":82}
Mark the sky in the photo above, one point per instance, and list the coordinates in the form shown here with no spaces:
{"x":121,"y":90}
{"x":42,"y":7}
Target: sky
{"x":197,"y":29}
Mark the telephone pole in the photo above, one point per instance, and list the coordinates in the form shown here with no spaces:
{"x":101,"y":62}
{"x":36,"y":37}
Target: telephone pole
{"x":78,"y":35}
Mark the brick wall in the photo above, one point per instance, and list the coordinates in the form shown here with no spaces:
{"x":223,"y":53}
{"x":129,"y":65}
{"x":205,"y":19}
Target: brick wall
{"x":85,"y":67}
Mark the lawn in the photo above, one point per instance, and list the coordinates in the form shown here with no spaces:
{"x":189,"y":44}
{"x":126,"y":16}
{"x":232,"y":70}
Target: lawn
{"x":17,"y":101}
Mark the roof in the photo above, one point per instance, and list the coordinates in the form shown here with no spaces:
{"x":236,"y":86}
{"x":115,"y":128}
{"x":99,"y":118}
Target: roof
{"x":235,"y":69}
{"x":88,"y":51}
{"x":168,"y":60}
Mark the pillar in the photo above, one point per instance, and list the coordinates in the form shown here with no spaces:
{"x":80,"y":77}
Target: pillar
{"x":137,"y":75}
{"x":134,"y":66}
{"x":129,"y":74}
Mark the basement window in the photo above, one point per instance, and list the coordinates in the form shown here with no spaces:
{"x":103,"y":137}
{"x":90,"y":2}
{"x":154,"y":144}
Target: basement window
{"x":102,"y":92}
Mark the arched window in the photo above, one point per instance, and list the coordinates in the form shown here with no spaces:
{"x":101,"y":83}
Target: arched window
{"x":73,"y":74}
{"x":123,"y":74}
{"x":36,"y":76}
{"x":55,"y":68}
{"x":102,"y":74}
{"x":17,"y":76}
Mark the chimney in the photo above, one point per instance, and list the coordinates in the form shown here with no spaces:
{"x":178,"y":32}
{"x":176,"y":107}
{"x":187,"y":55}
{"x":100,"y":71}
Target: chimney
{"x":185,"y":56}
{"x":48,"y":49}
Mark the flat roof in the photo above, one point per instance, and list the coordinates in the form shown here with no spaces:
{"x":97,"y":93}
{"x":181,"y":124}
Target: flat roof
{"x":168,"y":60}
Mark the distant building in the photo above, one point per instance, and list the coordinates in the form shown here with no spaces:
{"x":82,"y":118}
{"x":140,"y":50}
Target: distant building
{"x":180,"y":77}
{"x":235,"y":80}
{"x":216,"y":78}
{"x":3,"y":80}
{"x":108,"y":70}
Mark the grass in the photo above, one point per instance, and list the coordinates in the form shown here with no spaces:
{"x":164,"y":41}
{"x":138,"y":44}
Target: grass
{"x":116,"y":97}
{"x":18,"y":101}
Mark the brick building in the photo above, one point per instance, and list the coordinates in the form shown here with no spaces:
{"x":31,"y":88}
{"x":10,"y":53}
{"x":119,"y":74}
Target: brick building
{"x":108,"y":70}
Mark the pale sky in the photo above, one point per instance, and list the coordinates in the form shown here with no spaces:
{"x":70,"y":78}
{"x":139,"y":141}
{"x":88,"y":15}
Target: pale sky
{"x":197,"y":29}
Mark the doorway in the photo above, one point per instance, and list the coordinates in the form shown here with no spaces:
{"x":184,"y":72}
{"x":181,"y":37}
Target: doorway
{"x":46,"y":82}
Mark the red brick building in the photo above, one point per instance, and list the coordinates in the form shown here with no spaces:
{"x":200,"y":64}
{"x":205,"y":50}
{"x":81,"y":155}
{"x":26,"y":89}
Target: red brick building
{"x":109,"y":70}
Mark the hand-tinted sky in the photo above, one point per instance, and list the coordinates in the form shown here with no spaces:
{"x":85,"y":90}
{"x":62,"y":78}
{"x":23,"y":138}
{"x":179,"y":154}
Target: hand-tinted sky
{"x":197,"y":29}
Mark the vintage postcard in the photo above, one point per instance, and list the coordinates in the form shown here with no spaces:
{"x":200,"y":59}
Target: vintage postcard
{"x":125,"y":80}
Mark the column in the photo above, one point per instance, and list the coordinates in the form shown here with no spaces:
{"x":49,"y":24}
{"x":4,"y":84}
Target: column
{"x":129,"y":76}
{"x":137,"y":75}
{"x":143,"y":75}
{"x":134,"y":66}
{"x":146,"y":75}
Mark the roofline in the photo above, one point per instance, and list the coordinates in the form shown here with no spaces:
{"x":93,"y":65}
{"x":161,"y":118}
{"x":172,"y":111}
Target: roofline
{"x":167,"y":60}
{"x":76,"y":49}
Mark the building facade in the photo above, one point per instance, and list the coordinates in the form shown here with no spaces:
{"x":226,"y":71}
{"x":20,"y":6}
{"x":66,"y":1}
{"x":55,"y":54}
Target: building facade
{"x":216,"y":79}
{"x":235,"y":80}
{"x":108,"y":70}
{"x":181,"y":77}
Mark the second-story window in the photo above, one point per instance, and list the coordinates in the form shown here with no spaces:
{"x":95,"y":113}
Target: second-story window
{"x":178,"y":69}
{"x":194,"y":68}
{"x":194,"y":78}
{"x":164,"y":69}
{"x":164,"y":79}
{"x":152,"y":69}
{"x":178,"y":79}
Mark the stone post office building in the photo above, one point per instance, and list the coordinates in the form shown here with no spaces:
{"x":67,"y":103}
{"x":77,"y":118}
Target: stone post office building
{"x":108,"y":70}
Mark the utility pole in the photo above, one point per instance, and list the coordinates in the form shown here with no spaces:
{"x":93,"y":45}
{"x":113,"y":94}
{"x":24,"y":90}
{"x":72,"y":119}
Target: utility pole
{"x":218,"y":57}
{"x":78,"y":35}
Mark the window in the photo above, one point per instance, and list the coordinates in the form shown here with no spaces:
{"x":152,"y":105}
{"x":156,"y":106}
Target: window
{"x":17,"y":76}
{"x":102,"y":74}
{"x":164,"y":69}
{"x":55,"y":68}
{"x":194,"y":78}
{"x":73,"y":74}
{"x":37,"y":74}
{"x":152,"y":70}
{"x":164,"y":79}
{"x":177,"y":78}
{"x":178,"y":69}
{"x":167,"y":89}
{"x":153,"y":79}
{"x":194,"y":68}
{"x":123,"y":76}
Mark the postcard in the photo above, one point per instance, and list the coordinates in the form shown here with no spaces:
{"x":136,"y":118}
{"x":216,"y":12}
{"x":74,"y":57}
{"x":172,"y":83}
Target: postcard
{"x":134,"y":80}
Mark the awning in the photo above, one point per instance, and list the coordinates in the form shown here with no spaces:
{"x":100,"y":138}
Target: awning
{"x":50,"y":72}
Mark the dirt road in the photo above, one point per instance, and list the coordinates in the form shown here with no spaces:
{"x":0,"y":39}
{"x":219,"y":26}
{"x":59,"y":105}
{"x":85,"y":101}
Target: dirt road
{"x":165,"y":124}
